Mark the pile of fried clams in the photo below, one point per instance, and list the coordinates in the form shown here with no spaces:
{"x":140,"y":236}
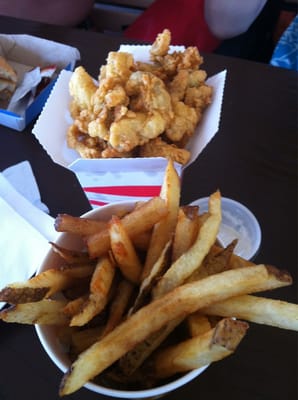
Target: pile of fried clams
{"x":139,"y":109}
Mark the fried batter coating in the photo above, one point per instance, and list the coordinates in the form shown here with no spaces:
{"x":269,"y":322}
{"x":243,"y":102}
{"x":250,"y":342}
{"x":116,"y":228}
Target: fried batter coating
{"x":119,"y":66}
{"x":128,"y":132}
{"x":198,"y":97}
{"x":184,"y":122}
{"x":158,"y":148}
{"x":116,"y":97}
{"x":149,"y":93}
{"x":190,"y":58}
{"x":161,"y":45}
{"x":83,"y":144}
{"x":82,"y":87}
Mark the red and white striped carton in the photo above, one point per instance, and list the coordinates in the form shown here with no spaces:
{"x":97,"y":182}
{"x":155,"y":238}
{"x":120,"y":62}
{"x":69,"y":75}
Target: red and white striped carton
{"x":109,"y":180}
{"x":112,"y":180}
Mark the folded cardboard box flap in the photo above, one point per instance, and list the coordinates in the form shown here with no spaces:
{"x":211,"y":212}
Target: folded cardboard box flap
{"x":53,"y":122}
{"x":28,"y":55}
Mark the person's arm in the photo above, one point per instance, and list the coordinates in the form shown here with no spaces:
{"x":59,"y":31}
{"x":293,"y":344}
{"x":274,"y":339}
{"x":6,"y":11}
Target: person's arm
{"x":229,"y":18}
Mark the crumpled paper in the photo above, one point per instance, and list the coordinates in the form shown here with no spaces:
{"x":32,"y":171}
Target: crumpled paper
{"x":26,"y":228}
{"x":29,"y":56}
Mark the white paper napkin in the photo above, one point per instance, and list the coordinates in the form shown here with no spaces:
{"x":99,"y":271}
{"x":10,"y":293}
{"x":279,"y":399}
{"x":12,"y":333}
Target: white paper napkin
{"x":25,"y":228}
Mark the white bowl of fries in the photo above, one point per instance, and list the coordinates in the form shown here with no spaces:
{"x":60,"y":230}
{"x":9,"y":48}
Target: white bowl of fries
{"x":136,"y":299}
{"x":51,"y":337}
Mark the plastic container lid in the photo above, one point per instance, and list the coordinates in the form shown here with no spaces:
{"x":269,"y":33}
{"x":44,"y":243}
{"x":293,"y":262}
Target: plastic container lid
{"x":238,"y":222}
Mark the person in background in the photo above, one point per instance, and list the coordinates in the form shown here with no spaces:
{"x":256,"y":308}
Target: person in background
{"x":230,"y":27}
{"x":227,"y":19}
{"x":60,"y":12}
{"x":255,"y":38}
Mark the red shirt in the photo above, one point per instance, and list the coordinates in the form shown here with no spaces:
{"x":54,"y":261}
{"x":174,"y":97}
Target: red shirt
{"x":185,"y":19}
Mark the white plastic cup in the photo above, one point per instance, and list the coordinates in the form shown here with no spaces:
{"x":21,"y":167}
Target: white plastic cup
{"x":238,"y":222}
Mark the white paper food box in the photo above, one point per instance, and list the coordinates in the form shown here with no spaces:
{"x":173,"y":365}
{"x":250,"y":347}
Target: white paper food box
{"x":116,"y":179}
{"x":27,"y":54}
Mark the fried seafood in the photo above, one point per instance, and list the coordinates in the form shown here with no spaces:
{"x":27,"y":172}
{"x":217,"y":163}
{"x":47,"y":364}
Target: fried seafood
{"x":139,"y":109}
{"x":82,"y":88}
{"x":159,"y":148}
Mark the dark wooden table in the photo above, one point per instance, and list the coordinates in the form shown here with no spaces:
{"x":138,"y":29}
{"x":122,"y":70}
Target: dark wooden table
{"x":253,"y":159}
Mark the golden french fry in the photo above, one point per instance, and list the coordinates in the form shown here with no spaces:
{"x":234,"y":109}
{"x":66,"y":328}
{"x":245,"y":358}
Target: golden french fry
{"x":235,"y":261}
{"x":211,"y":346}
{"x":82,"y":339}
{"x":197,"y":324}
{"x":80,"y":288}
{"x":189,"y":261}
{"x":124,"y":252}
{"x":133,"y":359}
{"x":149,"y":282}
{"x":77,"y":225}
{"x":142,"y":241}
{"x":138,"y":221}
{"x":70,"y":256}
{"x":187,"y":228}
{"x":100,"y":285}
{"x":217,"y":260}
{"x":260,"y":310}
{"x":74,"y":306}
{"x":239,"y":262}
{"x":136,"y":357}
{"x":163,"y":230}
{"x":44,"y":312}
{"x":45,"y":284}
{"x":178,"y":303}
{"x":118,"y":305}
{"x":185,"y":236}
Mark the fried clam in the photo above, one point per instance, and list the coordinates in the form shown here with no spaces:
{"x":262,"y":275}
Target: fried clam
{"x":82,"y":87}
{"x":140,"y":109}
{"x":159,"y":148}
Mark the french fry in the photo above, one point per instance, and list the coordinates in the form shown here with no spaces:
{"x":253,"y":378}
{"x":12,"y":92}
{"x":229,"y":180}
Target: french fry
{"x":74,"y":306}
{"x":239,"y":262}
{"x":149,"y":282}
{"x":187,"y":228}
{"x":142,"y":241}
{"x":178,"y":303}
{"x":217,"y":260}
{"x":124,"y":252}
{"x":138,"y":221}
{"x":44,"y":312}
{"x":80,"y":288}
{"x":45,"y":284}
{"x":257,"y":309}
{"x":185,"y":236}
{"x":77,"y":225}
{"x":100,"y":285}
{"x":211,"y":346}
{"x":70,"y":256}
{"x":119,"y":305}
{"x":197,"y":323}
{"x":82,"y":339}
{"x":188,"y":262}
{"x":163,"y":230}
{"x":133,"y":359}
